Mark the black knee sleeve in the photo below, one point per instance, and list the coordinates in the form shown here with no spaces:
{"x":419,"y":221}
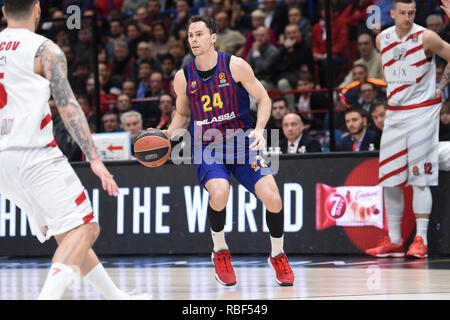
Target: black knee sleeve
{"x":275,"y":223}
{"x":216,"y":219}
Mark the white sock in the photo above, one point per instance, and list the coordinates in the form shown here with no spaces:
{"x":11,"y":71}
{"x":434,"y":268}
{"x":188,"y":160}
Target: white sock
{"x":58,"y":279}
{"x":393,"y":200}
{"x":102,"y":282}
{"x":277,"y":246}
{"x":422,"y":228}
{"x":219,"y":240}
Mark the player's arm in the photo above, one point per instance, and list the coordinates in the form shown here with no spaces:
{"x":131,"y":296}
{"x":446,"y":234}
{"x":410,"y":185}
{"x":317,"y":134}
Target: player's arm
{"x":434,"y":44}
{"x":243,"y":73}
{"x":51,"y":63}
{"x":182,"y":116}
{"x":378,"y":45}
{"x":446,"y":7}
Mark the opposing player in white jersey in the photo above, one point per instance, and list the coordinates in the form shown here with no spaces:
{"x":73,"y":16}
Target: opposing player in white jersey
{"x":34,"y":174}
{"x":409,"y":143}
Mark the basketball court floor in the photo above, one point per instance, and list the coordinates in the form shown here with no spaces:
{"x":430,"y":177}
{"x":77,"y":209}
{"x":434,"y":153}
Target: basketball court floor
{"x":192,"y":278}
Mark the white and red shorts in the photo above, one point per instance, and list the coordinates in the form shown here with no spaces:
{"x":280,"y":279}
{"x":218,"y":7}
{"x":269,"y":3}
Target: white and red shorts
{"x":409,"y":153}
{"x":43,"y":184}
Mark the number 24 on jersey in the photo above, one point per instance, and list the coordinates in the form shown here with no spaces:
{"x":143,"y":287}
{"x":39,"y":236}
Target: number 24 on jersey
{"x":216,"y":102}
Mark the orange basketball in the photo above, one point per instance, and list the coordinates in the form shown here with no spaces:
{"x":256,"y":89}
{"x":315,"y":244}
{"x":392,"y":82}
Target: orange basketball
{"x":152,"y":148}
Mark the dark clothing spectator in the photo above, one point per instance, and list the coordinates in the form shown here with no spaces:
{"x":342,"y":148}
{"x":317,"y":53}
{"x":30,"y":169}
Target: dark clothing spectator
{"x":348,"y":143}
{"x":263,"y":61}
{"x":309,"y":143}
{"x":122,"y":68}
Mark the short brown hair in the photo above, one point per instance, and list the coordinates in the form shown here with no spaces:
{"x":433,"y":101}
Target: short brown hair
{"x":18,"y":9}
{"x":210,"y":23}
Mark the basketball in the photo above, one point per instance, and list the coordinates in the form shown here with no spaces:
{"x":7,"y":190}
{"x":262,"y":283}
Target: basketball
{"x":152,"y":148}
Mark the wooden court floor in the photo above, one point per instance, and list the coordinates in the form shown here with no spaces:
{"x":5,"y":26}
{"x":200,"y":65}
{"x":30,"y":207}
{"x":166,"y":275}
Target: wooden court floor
{"x":192,"y":278}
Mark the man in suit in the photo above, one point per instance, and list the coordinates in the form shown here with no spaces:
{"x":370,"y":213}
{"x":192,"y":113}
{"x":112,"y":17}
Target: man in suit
{"x":296,"y":140}
{"x":360,"y":138}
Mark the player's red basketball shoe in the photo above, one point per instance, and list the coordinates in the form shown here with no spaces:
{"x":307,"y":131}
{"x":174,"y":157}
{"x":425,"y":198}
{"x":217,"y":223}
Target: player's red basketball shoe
{"x":387,"y":249}
{"x":418,"y":249}
{"x":224,"y":270}
{"x":283,"y":271}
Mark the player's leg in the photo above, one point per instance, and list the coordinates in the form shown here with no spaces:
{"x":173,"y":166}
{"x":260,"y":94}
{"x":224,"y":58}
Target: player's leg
{"x":393,"y":175}
{"x":267,"y":191}
{"x":215,"y":179}
{"x":423,"y":168}
{"x":69,"y":256}
{"x":219,"y":192}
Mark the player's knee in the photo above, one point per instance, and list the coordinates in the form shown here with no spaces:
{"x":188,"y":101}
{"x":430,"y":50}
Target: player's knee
{"x":219,"y":198}
{"x":275,"y":204}
{"x":92,"y":231}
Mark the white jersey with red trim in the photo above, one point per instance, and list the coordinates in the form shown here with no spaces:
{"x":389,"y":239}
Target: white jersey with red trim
{"x":410,"y":75}
{"x":25,"y":117}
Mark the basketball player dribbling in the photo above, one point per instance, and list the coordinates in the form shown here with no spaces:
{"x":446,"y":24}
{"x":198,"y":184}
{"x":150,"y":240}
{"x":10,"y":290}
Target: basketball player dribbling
{"x":34,"y":174}
{"x":213,"y":93}
{"x":409,"y":143}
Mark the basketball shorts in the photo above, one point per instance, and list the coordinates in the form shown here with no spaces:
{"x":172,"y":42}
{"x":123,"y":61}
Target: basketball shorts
{"x":42,"y":183}
{"x":247,"y":167}
{"x":409,"y":149}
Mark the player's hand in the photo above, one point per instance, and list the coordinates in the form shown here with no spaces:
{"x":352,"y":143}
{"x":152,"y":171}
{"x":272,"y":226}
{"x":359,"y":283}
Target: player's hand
{"x":260,"y":142}
{"x":446,"y":7}
{"x":108,"y":182}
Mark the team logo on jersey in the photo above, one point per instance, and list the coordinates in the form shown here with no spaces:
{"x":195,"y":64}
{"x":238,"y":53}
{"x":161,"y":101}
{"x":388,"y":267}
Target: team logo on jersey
{"x":193,"y":87}
{"x":3,"y":61}
{"x":415,"y":170}
{"x":260,"y":163}
{"x":388,"y":36}
{"x":223,"y":80}
{"x":415,"y":37}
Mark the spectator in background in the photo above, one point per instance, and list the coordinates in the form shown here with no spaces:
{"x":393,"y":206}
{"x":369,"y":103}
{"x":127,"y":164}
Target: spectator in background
{"x":129,"y":88}
{"x":104,"y":6}
{"x":294,"y":56}
{"x":369,"y":57}
{"x":351,"y":94}
{"x":88,"y":111}
{"x":378,"y":115}
{"x":279,"y":110}
{"x":257,"y":17}
{"x":116,"y":33}
{"x":263,"y":56}
{"x":435,"y":22}
{"x":297,"y":141}
{"x":177,"y":50}
{"x":122,"y":63}
{"x":168,"y":70}
{"x":166,"y":106}
{"x":144,"y":52}
{"x":444,"y":128}
{"x":339,"y":37}
{"x":310,"y":101}
{"x":82,"y":50}
{"x":296,"y":16}
{"x":440,"y":67}
{"x":141,"y":18}
{"x":178,"y":26}
{"x":360,"y":138}
{"x":368,"y":94}
{"x":132,"y":123}
{"x":62,"y":38}
{"x":154,"y":14}
{"x":214,"y":7}
{"x":228,"y":40}
{"x":131,"y":6}
{"x":159,"y":41}
{"x":123,"y":104}
{"x":239,"y":19}
{"x":112,"y":85}
{"x":276,"y":16}
{"x":150,"y":110}
{"x":79,"y":78}
{"x":145,"y":71}
{"x":134,"y":37}
{"x":111,"y":122}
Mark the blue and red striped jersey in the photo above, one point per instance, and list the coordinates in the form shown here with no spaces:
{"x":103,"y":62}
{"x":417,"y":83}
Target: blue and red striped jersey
{"x":219,"y":102}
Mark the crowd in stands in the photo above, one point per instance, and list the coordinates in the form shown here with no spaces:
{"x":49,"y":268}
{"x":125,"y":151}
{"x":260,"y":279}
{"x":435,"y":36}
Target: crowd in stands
{"x":142,"y":43}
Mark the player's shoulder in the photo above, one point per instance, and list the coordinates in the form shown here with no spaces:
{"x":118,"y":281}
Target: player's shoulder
{"x":239,"y":68}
